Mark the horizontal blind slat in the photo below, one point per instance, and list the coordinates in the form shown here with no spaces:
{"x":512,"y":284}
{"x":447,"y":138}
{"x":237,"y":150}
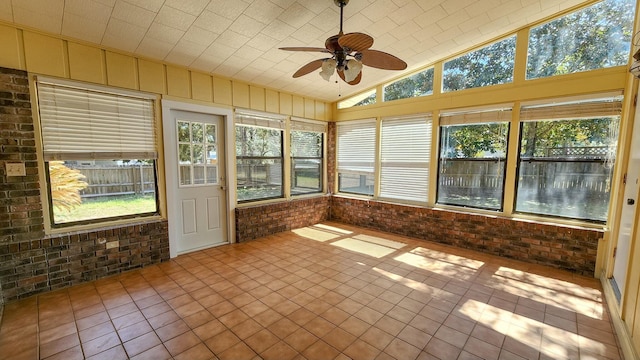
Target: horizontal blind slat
{"x":475,"y":117}
{"x":76,"y":120}
{"x":405,"y":155}
{"x":580,"y":110}
{"x":356,"y":146}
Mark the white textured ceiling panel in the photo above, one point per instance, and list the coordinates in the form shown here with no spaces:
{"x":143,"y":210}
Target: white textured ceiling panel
{"x":240,"y":38}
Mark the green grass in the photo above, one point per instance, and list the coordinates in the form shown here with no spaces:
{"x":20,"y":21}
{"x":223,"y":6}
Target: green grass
{"x":112,"y":206}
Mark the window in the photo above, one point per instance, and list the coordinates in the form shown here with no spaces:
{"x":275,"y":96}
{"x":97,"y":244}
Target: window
{"x":405,"y":151}
{"x":366,"y":98}
{"x":566,"y":161}
{"x":198,"y":153}
{"x":99,"y":148}
{"x":259,"y":156}
{"x":307,"y":157}
{"x":473,"y":150}
{"x":419,"y":84}
{"x":356,"y":156}
{"x":595,"y":37}
{"x":490,"y":65}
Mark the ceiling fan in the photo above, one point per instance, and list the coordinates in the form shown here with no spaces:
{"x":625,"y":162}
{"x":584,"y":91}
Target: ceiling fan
{"x":348,"y":53}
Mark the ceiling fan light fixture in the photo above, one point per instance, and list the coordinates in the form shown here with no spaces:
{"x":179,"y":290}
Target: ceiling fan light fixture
{"x":328,"y":67}
{"x":352,"y":69}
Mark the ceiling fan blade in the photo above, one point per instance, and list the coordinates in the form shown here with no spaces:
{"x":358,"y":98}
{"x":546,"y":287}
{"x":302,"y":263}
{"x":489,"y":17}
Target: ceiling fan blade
{"x":355,"y":81}
{"x":304,"y":48}
{"x":356,"y":41}
{"x":382,"y":60}
{"x":314,"y":65}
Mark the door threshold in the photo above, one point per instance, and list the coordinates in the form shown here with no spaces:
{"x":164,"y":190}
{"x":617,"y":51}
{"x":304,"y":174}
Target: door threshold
{"x":202,"y":248}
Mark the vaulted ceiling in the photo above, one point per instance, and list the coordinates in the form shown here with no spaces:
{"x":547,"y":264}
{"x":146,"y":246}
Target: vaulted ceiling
{"x":240,"y":38}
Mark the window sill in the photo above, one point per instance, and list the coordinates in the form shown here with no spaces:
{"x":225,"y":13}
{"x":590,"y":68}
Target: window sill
{"x":103,"y":225}
{"x":280,"y":200}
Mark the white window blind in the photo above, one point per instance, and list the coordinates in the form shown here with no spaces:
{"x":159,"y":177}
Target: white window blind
{"x":81,"y":123}
{"x":357,"y":147}
{"x":583,"y":109}
{"x":405,"y":153}
{"x":461,"y":117}
{"x":264,"y":120}
{"x":308,"y":125}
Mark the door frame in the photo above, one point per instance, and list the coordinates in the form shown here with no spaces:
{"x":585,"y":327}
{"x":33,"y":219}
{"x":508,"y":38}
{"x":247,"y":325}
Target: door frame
{"x":171,"y":168}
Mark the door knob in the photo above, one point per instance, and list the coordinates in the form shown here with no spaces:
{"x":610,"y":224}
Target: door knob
{"x":630,"y":201}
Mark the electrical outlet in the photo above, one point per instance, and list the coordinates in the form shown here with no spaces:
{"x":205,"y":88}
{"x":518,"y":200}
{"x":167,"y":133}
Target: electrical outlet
{"x":15,"y":169}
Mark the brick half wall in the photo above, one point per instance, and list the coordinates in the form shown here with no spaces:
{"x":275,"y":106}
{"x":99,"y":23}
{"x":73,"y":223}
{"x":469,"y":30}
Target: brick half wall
{"x":253,"y":222}
{"x":563,"y":247}
{"x":35,"y":266}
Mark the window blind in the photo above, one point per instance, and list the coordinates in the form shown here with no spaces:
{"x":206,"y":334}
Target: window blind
{"x":265,"y":120}
{"x":357,"y":147}
{"x":308,"y":125}
{"x":583,"y":109}
{"x":82,"y":123}
{"x":405,"y":153}
{"x":475,"y":116}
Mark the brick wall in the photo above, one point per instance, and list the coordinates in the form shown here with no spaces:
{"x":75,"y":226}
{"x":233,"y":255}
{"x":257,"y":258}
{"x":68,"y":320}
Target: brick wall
{"x":20,"y":208}
{"x":331,"y":154}
{"x":34,"y":266}
{"x":30,"y":261}
{"x":257,"y":221}
{"x":563,"y":247}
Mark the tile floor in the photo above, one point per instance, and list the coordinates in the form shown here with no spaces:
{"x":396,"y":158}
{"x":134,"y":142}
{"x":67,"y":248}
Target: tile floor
{"x":328,"y":291}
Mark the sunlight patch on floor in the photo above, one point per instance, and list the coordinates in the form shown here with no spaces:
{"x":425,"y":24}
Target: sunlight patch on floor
{"x":315,"y":234}
{"x":333,"y":228}
{"x":560,"y":294}
{"x":437,"y":266}
{"x":415,"y":285}
{"x":534,"y":335}
{"x":453,"y":259}
{"x":380,"y":241}
{"x":364,"y":247}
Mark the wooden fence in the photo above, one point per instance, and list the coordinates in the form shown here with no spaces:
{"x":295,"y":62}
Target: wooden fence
{"x":111,"y":180}
{"x":548,"y":176}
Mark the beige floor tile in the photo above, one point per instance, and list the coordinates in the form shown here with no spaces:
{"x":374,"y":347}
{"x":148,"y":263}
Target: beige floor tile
{"x":286,"y":296}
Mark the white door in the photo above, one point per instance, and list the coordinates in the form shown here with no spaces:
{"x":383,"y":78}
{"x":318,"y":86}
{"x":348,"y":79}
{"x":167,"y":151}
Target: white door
{"x":194,"y":153}
{"x":628,"y":211}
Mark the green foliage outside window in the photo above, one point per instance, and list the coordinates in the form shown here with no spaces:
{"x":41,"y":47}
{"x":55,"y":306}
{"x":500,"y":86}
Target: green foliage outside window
{"x":474,"y":141}
{"x":490,"y":65}
{"x":416,"y":85}
{"x":596,"y":37}
{"x":371,"y":99}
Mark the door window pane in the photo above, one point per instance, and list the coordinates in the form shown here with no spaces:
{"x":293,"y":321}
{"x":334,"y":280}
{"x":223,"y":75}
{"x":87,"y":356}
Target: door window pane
{"x":197,"y":147}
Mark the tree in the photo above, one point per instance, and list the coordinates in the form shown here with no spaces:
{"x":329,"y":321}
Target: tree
{"x":471,"y":141}
{"x":540,"y":136}
{"x":371,"y":99}
{"x":596,"y":37}
{"x":416,"y":85}
{"x":489,"y":65}
{"x":66,"y":185}
{"x":258,"y":142}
